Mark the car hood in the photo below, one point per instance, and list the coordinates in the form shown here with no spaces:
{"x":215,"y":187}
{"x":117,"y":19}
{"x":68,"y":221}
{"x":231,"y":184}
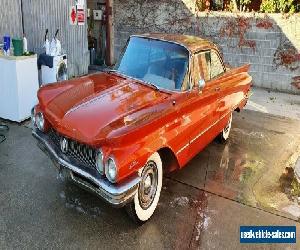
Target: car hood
{"x":100,"y":106}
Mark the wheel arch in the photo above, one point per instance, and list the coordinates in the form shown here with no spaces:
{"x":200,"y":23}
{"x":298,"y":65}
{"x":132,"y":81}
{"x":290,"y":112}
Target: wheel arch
{"x":169,"y":159}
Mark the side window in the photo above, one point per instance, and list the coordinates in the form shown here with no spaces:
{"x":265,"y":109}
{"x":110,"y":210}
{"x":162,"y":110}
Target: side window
{"x":204,"y":66}
{"x":196,"y":71}
{"x":216,"y":66}
{"x":207,"y":65}
{"x":201,"y":69}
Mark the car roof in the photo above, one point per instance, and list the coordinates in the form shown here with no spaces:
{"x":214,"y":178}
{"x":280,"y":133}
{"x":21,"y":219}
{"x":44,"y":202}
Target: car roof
{"x":192,"y":43}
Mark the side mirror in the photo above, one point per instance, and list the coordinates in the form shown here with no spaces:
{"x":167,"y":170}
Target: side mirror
{"x":201,"y":84}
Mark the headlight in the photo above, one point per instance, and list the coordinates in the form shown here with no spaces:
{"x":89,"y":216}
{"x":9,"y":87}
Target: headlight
{"x":111,"y":170}
{"x":40,"y":121}
{"x":99,"y":161}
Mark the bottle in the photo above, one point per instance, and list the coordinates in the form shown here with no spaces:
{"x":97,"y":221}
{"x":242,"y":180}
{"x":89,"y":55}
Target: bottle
{"x":25,"y":49}
{"x":52,"y":48}
{"x":58,"y":47}
{"x":47,"y":44}
{"x":6,"y":47}
{"x":47,"y":47}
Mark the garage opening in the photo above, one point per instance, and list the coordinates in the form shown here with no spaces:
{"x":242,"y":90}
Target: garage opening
{"x":99,"y":14}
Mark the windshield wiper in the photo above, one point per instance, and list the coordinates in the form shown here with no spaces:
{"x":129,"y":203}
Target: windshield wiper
{"x":152,"y":85}
{"x":137,"y":79}
{"x":110,"y":70}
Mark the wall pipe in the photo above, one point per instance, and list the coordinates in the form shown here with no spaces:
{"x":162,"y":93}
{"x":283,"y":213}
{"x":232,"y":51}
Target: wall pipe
{"x":109,"y":33}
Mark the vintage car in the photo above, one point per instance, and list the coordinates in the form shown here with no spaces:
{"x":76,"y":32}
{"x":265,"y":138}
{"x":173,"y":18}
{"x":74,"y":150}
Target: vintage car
{"x":116,"y":132}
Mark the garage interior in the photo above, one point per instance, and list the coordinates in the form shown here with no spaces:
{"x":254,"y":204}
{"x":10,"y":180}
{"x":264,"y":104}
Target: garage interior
{"x":99,"y":15}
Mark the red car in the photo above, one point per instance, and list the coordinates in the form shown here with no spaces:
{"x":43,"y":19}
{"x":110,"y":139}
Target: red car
{"x":116,"y":132}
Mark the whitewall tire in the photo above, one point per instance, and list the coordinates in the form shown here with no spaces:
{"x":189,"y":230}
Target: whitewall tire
{"x":224,"y":135}
{"x":146,"y":199}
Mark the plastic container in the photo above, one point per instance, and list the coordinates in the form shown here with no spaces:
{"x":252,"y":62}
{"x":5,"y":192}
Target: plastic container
{"x":18,"y":46}
{"x":6,"y":44}
{"x":25,"y":50}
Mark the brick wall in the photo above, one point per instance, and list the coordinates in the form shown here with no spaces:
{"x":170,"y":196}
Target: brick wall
{"x":271,"y":44}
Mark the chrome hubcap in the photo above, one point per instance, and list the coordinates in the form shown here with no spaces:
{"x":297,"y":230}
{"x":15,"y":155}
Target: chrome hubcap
{"x":148,"y":185}
{"x":148,"y":182}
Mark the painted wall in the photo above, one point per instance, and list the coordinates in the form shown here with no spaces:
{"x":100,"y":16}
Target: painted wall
{"x":40,"y":15}
{"x":10,"y":21}
{"x":270,"y":44}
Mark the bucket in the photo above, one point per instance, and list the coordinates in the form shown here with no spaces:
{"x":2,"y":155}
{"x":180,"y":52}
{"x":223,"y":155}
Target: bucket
{"x":18,"y":46}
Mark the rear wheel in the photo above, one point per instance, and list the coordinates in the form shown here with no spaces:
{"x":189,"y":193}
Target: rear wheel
{"x":224,"y":135}
{"x":146,"y":199}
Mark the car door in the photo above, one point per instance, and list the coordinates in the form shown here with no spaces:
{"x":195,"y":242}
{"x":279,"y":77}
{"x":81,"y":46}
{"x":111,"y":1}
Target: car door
{"x":230,"y":84}
{"x":203,"y":105}
{"x":216,"y":75}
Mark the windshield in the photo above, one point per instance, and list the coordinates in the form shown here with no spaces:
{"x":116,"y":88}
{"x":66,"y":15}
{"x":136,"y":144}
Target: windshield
{"x":163,"y":64}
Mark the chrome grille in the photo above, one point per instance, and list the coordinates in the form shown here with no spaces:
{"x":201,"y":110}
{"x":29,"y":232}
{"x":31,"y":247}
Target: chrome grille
{"x":79,"y":151}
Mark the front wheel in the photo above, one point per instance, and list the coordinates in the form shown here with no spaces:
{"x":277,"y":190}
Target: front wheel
{"x":146,"y":199}
{"x":223,"y":136}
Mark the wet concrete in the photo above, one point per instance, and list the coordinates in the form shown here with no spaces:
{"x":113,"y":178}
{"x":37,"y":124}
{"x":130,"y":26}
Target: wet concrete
{"x":247,"y":169}
{"x":201,"y":206}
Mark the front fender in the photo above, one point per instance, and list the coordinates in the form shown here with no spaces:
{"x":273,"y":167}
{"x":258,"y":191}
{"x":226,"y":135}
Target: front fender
{"x":131,"y":158}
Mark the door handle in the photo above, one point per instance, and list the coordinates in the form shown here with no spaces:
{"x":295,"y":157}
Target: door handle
{"x":217,"y":89}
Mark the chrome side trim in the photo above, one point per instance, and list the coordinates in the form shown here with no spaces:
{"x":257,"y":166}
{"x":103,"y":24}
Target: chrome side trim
{"x":163,"y":40}
{"x":201,"y":133}
{"x":183,"y":148}
{"x":115,"y":194}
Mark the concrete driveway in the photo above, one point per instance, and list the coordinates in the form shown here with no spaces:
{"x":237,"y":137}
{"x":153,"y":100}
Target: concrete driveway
{"x":201,"y":206}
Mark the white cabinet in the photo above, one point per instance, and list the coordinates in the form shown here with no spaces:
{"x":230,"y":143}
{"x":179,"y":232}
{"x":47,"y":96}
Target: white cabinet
{"x":18,"y":86}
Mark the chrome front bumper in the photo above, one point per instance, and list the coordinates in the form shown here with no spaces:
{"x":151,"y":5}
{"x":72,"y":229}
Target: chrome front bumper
{"x":86,"y":177}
